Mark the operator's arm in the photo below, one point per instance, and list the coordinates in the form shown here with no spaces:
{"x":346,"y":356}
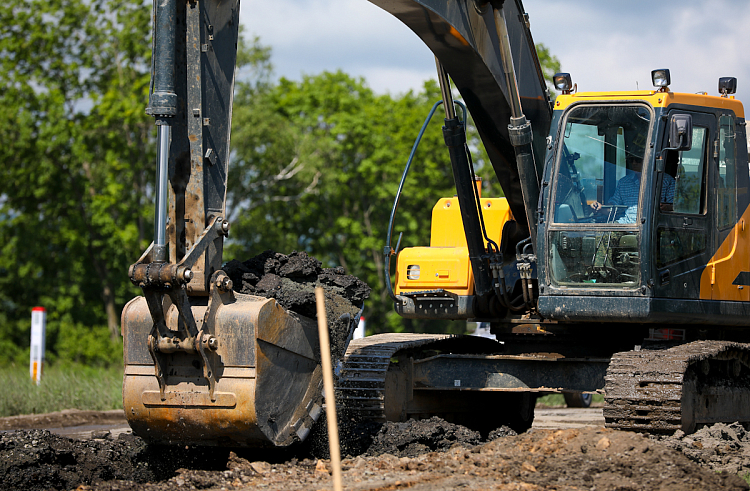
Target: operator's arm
{"x":616,"y":199}
{"x":667,"y":193}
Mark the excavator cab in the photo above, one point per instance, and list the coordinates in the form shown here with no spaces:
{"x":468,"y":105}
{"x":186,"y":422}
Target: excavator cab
{"x":642,"y":209}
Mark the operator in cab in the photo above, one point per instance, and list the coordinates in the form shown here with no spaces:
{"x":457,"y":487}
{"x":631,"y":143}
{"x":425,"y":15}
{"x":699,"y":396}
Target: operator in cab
{"x":628,"y":191}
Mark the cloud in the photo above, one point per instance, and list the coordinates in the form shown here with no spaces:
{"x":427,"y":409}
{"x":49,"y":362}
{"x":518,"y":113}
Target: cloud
{"x":610,"y":47}
{"x":308,"y":37}
{"x":605,"y":45}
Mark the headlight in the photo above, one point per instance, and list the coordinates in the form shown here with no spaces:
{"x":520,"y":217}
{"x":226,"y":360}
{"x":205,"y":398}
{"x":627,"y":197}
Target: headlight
{"x":563,"y":82}
{"x":661,"y":78}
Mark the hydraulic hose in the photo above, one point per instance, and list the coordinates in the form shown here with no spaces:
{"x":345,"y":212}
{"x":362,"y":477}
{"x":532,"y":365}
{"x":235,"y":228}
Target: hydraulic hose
{"x":388,"y":251}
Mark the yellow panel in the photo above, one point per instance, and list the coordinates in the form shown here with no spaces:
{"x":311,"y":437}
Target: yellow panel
{"x":448,"y":230}
{"x":732,"y":258}
{"x":445,"y":268}
{"x":656,"y":99}
{"x":445,"y":264}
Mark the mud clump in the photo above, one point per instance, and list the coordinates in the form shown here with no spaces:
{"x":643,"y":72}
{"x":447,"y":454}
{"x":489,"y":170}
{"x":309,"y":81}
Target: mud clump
{"x":38,"y":459}
{"x":291,"y":280}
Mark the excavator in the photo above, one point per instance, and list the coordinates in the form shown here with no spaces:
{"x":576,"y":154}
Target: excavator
{"x":616,"y":262}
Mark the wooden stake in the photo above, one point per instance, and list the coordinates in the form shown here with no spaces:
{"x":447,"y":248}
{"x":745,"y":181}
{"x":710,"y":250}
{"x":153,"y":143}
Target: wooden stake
{"x":325,"y":356}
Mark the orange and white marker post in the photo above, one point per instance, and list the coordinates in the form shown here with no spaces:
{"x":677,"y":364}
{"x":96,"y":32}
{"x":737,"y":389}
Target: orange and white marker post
{"x":38,"y":335}
{"x":359,"y":332}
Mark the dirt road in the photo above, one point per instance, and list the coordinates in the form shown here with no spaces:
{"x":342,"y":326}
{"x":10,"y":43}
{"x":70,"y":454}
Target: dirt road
{"x":85,"y":425}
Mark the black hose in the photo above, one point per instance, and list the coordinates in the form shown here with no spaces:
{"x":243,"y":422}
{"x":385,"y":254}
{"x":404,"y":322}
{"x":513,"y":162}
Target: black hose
{"x":503,"y":294}
{"x":388,"y":251}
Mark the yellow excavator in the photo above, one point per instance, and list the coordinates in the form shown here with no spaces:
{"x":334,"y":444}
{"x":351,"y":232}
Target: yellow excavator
{"x":617,"y":261}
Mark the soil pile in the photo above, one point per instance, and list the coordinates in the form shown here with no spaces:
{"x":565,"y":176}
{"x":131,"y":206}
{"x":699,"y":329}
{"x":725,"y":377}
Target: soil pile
{"x":414,"y":438}
{"x":291,"y":280}
{"x":38,"y":459}
{"x":721,"y":447}
{"x":407,"y":439}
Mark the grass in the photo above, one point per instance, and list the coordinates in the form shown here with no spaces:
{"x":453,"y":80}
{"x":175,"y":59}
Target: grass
{"x":62,"y":387}
{"x":97,"y":389}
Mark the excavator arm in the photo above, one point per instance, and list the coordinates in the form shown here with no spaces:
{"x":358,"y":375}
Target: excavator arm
{"x":204,"y":364}
{"x":487,"y":49}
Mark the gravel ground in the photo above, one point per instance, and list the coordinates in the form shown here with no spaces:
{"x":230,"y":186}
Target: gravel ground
{"x":424,"y":455}
{"x":721,"y":447}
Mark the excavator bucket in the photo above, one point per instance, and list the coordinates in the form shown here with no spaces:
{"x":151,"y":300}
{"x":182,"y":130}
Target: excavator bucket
{"x":260,"y":384}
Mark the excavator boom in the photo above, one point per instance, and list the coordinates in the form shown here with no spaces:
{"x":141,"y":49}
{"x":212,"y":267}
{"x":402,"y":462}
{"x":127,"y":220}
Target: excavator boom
{"x":464,"y":37}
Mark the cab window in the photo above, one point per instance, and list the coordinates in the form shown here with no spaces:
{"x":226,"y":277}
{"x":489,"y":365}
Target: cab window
{"x":726,"y":187}
{"x":683,"y":186}
{"x":600,"y":163}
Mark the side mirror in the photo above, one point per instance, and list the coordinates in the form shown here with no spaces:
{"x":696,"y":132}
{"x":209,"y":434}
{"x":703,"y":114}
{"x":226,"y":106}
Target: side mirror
{"x":680,"y":132}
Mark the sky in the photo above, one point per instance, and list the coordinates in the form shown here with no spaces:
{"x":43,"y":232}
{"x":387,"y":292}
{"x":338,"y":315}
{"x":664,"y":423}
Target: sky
{"x":604,"y":44}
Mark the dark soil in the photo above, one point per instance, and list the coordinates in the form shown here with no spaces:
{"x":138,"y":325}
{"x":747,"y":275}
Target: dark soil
{"x":414,"y":438}
{"x":430,"y":455}
{"x":406,"y":439}
{"x":38,"y":459}
{"x":291,"y":280}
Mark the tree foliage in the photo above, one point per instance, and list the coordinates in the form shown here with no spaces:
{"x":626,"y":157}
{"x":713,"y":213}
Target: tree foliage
{"x":549,"y":62}
{"x":75,"y":198}
{"x":315,"y":167}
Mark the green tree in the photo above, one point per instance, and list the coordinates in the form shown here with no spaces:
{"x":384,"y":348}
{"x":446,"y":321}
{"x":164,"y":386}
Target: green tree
{"x":77,"y":153}
{"x":550,"y":64}
{"x":316,"y":165}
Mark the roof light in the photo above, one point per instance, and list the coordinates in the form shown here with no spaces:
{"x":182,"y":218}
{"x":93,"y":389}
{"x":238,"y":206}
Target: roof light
{"x":563,"y":82}
{"x":661,"y":78}
{"x":727,"y":85}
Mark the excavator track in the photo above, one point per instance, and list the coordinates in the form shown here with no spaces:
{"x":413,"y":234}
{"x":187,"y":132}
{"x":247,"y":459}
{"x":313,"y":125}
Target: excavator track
{"x":396,"y":377}
{"x":678,"y":388}
{"x":361,"y":383}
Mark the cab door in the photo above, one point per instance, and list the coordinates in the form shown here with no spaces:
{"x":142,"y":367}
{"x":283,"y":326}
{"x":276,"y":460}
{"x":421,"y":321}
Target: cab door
{"x":730,"y":257}
{"x":683,"y":234}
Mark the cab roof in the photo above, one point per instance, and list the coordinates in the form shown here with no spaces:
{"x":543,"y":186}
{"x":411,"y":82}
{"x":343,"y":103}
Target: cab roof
{"x":654,"y":98}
